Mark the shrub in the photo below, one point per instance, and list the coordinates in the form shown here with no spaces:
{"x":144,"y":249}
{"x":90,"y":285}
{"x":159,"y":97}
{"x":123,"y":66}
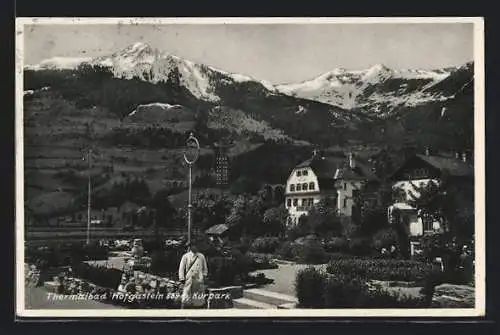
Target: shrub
{"x":343,"y":291}
{"x":223,"y":271}
{"x":336,"y":244}
{"x":265,"y":244}
{"x":99,"y":275}
{"x":359,"y":246}
{"x":151,"y":246}
{"x":312,"y":253}
{"x":384,"y":239}
{"x":285,"y":251}
{"x":309,"y":288}
{"x":166,"y":263}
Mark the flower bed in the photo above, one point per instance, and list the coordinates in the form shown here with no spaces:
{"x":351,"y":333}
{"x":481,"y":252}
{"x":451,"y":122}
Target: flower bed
{"x":44,"y":257}
{"x":317,"y":289}
{"x":261,"y":261}
{"x":131,"y":290}
{"x":383,"y":269}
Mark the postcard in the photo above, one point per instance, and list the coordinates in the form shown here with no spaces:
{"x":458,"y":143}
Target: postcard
{"x":250,"y":167}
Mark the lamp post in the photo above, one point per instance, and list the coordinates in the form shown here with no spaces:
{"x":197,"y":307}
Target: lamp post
{"x":89,"y":158}
{"x":190,"y":156}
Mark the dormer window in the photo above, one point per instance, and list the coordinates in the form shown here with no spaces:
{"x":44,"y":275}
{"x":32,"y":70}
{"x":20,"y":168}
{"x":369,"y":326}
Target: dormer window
{"x":299,"y":173}
{"x":292,"y":188}
{"x":304,"y":173}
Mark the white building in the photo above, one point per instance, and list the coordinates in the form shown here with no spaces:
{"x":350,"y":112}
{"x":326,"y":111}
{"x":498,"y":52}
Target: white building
{"x":320,"y":177}
{"x":419,"y":171}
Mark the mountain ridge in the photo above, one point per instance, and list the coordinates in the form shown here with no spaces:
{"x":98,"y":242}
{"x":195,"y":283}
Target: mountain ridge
{"x":346,"y":89}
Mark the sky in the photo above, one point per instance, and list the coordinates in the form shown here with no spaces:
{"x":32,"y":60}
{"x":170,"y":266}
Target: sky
{"x":278,"y":53}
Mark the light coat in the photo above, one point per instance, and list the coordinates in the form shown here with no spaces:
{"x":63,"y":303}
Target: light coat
{"x":193,"y":270}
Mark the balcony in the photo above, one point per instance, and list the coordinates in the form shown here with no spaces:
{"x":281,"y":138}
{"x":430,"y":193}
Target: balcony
{"x":303,"y":208}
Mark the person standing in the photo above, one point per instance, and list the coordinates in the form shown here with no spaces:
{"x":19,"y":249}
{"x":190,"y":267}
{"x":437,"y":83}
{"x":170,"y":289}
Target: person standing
{"x":193,"y":272}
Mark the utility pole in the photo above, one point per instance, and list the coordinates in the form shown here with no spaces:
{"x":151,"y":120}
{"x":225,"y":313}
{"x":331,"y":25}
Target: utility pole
{"x":192,"y":150}
{"x":89,"y":158}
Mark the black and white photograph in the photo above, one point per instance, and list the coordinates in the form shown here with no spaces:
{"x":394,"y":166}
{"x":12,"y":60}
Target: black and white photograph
{"x":250,"y":167}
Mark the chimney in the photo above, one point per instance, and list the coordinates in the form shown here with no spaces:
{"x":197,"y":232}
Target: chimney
{"x":352,"y":162}
{"x":427,"y":151}
{"x":457,"y":155}
{"x":464,"y":157}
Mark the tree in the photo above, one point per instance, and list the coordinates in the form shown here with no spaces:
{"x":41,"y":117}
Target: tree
{"x":322,"y":219}
{"x":245,"y":185}
{"x":163,"y":210}
{"x":246,"y":213}
{"x":275,"y":220}
{"x":449,"y":202}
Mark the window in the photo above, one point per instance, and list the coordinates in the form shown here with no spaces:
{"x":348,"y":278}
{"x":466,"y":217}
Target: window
{"x":345,"y":186}
{"x":299,"y":173}
{"x":304,"y":202}
{"x":304,"y":173}
{"x":295,"y":201}
{"x":288,"y":202}
{"x":311,"y":186}
{"x":292,"y":188}
{"x":299,"y":187}
{"x":311,"y":202}
{"x":345,"y":203}
{"x":304,"y":186}
{"x":420,"y":173}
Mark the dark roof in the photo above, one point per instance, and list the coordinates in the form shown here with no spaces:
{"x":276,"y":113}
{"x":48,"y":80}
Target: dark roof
{"x":336,"y":168}
{"x":452,"y":166}
{"x":218,"y":229}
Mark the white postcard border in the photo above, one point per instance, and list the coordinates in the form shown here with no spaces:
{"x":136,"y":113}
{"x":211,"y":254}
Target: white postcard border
{"x":479,"y":142}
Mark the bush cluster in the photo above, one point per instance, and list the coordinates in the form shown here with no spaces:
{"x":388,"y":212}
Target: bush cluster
{"x":383,"y":269}
{"x":265,"y":244}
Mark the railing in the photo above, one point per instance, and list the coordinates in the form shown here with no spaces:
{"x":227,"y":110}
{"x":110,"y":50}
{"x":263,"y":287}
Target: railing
{"x":303,"y":208}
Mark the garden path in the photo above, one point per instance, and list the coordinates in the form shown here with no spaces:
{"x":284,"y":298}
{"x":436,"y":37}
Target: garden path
{"x":284,"y":277}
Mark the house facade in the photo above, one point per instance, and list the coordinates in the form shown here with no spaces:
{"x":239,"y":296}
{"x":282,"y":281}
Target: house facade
{"x":321,"y":177}
{"x":416,"y":172}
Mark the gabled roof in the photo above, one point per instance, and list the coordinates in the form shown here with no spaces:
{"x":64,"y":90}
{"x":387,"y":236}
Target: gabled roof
{"x":337,"y":168}
{"x":218,"y":229}
{"x":452,"y":166}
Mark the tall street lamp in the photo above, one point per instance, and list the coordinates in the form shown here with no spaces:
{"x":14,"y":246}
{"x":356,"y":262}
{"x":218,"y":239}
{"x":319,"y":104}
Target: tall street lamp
{"x":190,"y":156}
{"x":89,"y":193}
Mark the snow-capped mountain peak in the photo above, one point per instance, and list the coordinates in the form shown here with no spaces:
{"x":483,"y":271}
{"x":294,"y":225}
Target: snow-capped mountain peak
{"x":378,"y":84}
